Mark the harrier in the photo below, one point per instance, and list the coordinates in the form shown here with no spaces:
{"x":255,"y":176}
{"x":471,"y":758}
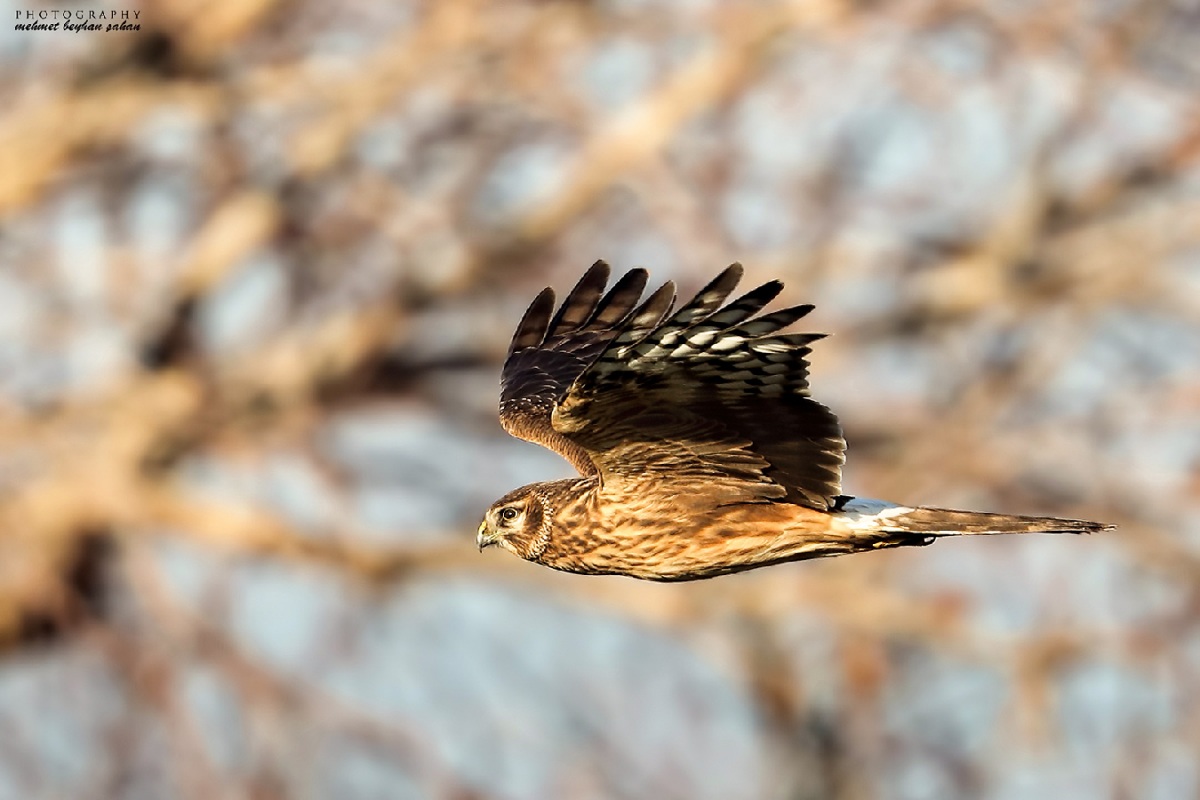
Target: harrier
{"x":699,"y":450}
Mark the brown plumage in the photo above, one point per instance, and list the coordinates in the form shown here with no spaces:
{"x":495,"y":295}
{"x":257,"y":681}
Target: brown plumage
{"x":699,"y":449}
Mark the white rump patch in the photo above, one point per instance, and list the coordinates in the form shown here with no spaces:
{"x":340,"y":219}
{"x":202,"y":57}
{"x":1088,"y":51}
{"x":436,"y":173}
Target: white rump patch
{"x":864,"y":514}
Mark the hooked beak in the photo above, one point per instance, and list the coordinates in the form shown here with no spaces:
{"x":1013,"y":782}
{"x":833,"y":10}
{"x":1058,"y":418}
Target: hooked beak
{"x":482,"y":538}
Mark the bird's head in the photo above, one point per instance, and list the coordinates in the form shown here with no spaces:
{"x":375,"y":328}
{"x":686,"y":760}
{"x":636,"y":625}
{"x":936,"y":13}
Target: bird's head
{"x":516,"y":522}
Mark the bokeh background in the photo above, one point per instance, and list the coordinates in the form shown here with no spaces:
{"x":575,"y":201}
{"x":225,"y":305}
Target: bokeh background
{"x":259,"y":263}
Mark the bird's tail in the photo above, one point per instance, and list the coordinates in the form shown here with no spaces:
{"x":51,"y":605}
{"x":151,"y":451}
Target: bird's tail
{"x":948,"y":522}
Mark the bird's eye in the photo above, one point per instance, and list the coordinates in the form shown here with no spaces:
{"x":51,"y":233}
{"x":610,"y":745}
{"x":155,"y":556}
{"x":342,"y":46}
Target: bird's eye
{"x":508,"y":514}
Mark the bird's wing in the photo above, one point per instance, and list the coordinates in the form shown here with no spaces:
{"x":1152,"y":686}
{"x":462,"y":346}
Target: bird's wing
{"x":709,"y":399}
{"x":550,"y":350}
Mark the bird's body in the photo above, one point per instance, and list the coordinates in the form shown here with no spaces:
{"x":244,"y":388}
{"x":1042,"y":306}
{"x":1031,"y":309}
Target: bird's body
{"x":700,"y":450}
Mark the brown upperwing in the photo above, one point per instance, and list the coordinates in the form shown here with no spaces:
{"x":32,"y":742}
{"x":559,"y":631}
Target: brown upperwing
{"x":548,"y":353}
{"x":710,"y":400}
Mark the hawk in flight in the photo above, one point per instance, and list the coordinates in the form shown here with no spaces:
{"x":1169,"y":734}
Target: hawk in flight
{"x":699,"y":449}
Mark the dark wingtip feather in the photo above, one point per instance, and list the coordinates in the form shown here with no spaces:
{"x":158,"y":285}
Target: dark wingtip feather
{"x":620,"y":301}
{"x":746,"y":306}
{"x":580,"y":303}
{"x":710,"y":298}
{"x":725,"y":282}
{"x":531,"y":330}
{"x":757,"y":298}
{"x":656,"y":307}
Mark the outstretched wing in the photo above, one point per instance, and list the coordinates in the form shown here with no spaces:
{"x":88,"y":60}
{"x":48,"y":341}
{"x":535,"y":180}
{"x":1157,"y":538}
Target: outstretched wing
{"x":549,"y":352}
{"x":709,"y":394}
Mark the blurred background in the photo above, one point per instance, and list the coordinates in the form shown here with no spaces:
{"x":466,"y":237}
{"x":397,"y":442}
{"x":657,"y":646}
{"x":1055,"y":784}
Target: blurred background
{"x":259,"y":264}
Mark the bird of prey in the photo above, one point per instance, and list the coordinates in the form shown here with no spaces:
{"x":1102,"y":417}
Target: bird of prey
{"x":699,"y":449}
